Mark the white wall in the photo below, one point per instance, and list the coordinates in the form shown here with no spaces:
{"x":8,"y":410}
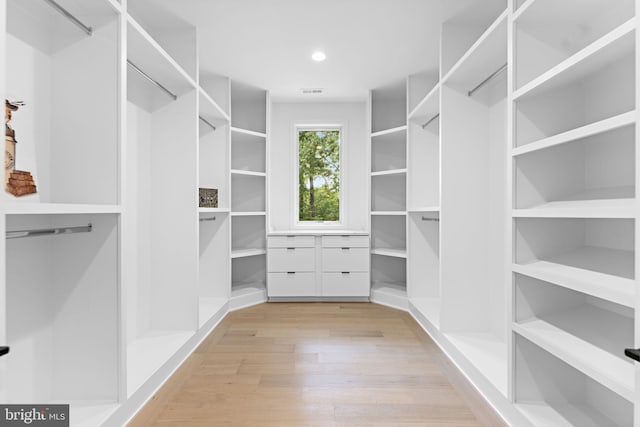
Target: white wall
{"x":282,"y":179}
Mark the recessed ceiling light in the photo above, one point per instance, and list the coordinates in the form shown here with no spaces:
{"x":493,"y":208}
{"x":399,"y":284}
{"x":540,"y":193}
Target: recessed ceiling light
{"x":318,"y":56}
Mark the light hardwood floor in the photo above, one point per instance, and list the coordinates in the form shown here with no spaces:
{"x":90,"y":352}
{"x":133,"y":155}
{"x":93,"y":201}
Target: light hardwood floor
{"x":317,"y":364}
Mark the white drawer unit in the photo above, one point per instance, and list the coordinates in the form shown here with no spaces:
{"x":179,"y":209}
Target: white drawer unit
{"x":345,"y":284}
{"x":291,"y":259}
{"x":310,"y":265}
{"x":292,"y":241}
{"x":292,"y":284}
{"x":345,"y":259}
{"x":346,"y":241}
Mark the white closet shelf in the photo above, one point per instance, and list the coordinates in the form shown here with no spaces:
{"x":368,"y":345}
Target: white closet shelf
{"x":425,"y":209}
{"x":244,"y":294}
{"x":210,"y":110}
{"x":245,"y":253}
{"x":148,"y":352}
{"x":487,"y":352}
{"x":248,"y":132}
{"x":429,"y":308}
{"x":429,"y":106}
{"x":563,"y":415}
{"x":613,"y":372}
{"x":388,"y":213}
{"x":390,"y":172}
{"x":620,"y":290}
{"x":393,"y":294}
{"x":58,"y":208}
{"x":577,"y":12}
{"x":257,"y":213}
{"x":603,"y":208}
{"x":394,"y":253}
{"x":208,"y":307}
{"x":247,"y":173}
{"x":484,"y":57}
{"x":592,"y":129}
{"x":214,"y":210}
{"x":389,"y":131}
{"x":616,"y":44}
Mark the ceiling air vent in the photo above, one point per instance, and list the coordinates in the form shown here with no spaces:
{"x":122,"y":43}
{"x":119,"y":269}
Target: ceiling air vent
{"x":311,"y":90}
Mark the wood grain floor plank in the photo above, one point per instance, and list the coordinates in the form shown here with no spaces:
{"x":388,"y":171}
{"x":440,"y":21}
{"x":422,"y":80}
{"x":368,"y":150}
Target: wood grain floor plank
{"x":317,"y":365}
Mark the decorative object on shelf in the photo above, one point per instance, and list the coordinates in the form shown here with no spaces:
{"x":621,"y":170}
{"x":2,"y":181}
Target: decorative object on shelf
{"x":18,"y":183}
{"x":208,"y":197}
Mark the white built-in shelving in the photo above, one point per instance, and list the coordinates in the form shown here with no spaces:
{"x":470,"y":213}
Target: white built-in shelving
{"x":574,"y":210}
{"x":388,"y":153}
{"x":249,"y":118}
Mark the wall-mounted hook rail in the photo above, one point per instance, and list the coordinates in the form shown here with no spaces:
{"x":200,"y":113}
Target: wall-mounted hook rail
{"x":488,"y":79}
{"x":430,"y":120}
{"x":70,"y":17}
{"x":207,"y":122}
{"x":155,"y":82}
{"x":18,"y":234}
{"x":213,"y":218}
{"x":424,"y":218}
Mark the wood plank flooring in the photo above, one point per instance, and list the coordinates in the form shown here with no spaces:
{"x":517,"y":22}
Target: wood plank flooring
{"x":317,"y":364}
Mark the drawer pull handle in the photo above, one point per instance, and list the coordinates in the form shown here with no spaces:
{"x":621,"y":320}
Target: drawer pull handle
{"x":291,"y":272}
{"x":345,"y":249}
{"x":291,"y":249}
{"x":346,"y":272}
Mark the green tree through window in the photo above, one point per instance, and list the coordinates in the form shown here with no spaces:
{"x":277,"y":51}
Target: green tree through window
{"x":319,"y":175}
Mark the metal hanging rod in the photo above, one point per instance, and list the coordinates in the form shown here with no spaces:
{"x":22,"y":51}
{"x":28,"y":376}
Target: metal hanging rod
{"x":207,"y":122}
{"x":47,"y":231}
{"x":148,"y":77}
{"x":488,"y":79}
{"x":430,"y":120}
{"x":213,"y":218}
{"x":424,"y":218}
{"x":70,"y":17}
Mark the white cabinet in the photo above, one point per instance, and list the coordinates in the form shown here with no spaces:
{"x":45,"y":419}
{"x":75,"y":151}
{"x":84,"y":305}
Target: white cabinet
{"x":318,"y":266}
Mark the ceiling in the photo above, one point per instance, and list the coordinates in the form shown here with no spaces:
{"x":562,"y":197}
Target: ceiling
{"x":268,"y":43}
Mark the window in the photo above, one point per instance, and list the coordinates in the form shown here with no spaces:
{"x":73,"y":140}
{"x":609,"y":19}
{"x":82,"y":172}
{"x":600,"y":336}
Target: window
{"x":319,"y":175}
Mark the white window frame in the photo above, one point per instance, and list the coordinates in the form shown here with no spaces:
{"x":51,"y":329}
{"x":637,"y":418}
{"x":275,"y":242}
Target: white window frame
{"x":341,"y":127}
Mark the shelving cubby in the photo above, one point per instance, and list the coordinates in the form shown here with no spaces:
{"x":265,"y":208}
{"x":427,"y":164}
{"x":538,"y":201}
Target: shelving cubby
{"x":549,"y":391}
{"x":67,"y":133}
{"x":582,"y":330}
{"x":473,"y":149}
{"x":388,"y":235}
{"x":548,"y":32}
{"x":162,"y":285}
{"x":249,"y":117}
{"x":62,"y":314}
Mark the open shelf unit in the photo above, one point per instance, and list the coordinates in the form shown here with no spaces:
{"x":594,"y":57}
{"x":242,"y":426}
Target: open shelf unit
{"x":574,"y":163}
{"x":249,"y":124}
{"x":388,"y":208}
{"x":115,"y":129}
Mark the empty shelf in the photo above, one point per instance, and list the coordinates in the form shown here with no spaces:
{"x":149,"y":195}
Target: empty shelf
{"x":244,"y":253}
{"x":613,"y":372}
{"x":396,"y":253}
{"x":389,"y":131}
{"x":563,"y":415}
{"x":602,"y":208}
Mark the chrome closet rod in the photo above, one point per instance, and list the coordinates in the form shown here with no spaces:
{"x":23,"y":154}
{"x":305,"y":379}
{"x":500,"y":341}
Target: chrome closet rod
{"x":70,"y":17}
{"x":18,"y":234}
{"x":155,"y":82}
{"x":488,"y":79}
{"x":213,"y":218}
{"x":430,"y":120}
{"x":208,"y":123}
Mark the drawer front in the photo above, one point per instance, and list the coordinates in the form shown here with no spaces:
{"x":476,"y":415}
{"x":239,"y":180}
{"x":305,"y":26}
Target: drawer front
{"x":291,"y":285}
{"x":282,"y":260}
{"x":345,"y":284}
{"x":291,"y":241}
{"x":345,"y":259}
{"x":345,"y":241}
